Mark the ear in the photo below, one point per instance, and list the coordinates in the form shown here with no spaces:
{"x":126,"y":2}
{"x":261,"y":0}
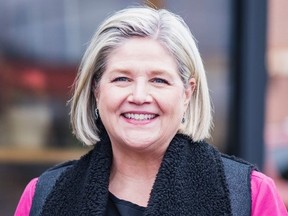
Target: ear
{"x":189,"y":91}
{"x":95,"y":91}
{"x":95,"y":94}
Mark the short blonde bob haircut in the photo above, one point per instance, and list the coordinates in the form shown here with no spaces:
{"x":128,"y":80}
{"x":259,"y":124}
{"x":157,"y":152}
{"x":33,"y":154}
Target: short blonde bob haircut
{"x":170,"y":31}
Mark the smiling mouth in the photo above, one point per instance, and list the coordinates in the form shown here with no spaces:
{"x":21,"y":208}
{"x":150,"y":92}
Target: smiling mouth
{"x":140,"y":116}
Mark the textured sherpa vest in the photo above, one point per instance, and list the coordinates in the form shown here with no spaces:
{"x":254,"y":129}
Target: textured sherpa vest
{"x":193,"y":179}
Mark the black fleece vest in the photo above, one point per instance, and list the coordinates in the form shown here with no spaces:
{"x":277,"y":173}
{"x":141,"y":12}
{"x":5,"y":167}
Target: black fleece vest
{"x":236,"y":176}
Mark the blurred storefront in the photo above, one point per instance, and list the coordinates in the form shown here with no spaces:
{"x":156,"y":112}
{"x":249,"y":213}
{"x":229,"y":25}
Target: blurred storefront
{"x":276,"y":125}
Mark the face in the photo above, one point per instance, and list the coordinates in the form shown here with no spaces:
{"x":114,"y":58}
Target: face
{"x":140,"y":97}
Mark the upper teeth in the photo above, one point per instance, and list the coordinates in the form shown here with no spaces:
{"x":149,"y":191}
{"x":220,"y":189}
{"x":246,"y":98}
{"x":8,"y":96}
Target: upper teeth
{"x":139,"y":116}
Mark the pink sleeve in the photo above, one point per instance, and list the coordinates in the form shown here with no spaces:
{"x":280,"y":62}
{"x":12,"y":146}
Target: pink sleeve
{"x":25,"y":203}
{"x":265,"y":198}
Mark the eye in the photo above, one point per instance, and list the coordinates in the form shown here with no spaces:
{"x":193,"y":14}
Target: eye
{"x":160,"y":80}
{"x":121,"y":79}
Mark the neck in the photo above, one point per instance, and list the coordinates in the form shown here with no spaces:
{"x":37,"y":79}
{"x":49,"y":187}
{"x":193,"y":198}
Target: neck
{"x":135,"y":170}
{"x":133,"y":175}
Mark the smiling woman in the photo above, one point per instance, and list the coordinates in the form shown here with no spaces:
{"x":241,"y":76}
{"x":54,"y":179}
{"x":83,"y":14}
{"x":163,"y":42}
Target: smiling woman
{"x":171,"y":37}
{"x":141,"y":97}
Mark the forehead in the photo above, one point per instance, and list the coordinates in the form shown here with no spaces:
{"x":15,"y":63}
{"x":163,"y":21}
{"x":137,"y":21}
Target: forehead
{"x":141,"y":51}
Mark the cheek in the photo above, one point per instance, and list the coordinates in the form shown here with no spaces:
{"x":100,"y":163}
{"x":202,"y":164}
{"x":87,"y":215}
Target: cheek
{"x":103,"y":100}
{"x":109,"y":98}
{"x":172,"y":102}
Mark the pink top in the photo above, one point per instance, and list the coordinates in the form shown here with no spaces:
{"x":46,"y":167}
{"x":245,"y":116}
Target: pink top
{"x":265,"y":198}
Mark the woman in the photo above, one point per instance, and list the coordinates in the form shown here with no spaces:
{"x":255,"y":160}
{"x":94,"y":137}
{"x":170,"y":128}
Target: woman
{"x":141,"y":97}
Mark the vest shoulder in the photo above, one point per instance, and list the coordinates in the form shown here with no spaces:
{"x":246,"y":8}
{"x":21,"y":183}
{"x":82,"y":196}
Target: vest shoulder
{"x":238,"y":178}
{"x":62,"y":166}
{"x":45,"y":184}
{"x":235,"y":161}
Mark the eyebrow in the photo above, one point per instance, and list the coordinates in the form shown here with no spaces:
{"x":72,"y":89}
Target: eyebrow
{"x":119,"y":71}
{"x":159,"y":72}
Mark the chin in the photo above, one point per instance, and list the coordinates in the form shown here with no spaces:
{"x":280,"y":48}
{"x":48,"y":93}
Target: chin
{"x":138,"y":143}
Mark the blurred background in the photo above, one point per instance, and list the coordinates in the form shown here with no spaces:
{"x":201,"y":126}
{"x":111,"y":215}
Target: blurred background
{"x":244,"y":46}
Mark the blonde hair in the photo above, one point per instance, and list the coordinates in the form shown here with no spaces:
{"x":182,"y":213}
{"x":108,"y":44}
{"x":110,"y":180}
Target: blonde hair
{"x":168,"y":29}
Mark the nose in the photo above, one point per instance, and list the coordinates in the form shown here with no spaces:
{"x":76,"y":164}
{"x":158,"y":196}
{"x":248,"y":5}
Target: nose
{"x":140,"y":92}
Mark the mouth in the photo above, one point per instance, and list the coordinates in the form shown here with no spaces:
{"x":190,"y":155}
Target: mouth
{"x":139,"y":116}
